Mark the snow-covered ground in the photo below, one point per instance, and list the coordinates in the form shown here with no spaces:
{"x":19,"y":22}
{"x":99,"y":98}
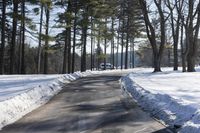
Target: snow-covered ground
{"x":20,"y":94}
{"x":173,"y":97}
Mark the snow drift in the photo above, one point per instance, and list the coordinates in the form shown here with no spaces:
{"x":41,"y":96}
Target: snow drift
{"x":172,"y":97}
{"x":20,"y":95}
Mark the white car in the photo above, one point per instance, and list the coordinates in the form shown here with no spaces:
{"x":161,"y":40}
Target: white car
{"x":108,"y":66}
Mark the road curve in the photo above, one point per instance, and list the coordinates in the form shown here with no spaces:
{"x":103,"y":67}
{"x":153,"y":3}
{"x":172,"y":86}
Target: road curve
{"x":93,"y":104}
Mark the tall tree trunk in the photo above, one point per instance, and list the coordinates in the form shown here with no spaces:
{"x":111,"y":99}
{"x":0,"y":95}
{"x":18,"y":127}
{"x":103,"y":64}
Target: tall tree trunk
{"x":14,"y":30}
{"x":113,"y":44}
{"x":69,"y":49}
{"x":40,"y":40}
{"x":46,"y":47}
{"x":98,"y":49}
{"x":83,"y":61}
{"x":84,"y":34}
{"x":74,"y":42}
{"x":64,"y":69}
{"x":127,"y":42}
{"x":23,"y":69}
{"x":69,"y":22}
{"x":175,"y":32}
{"x":105,"y":45}
{"x":190,"y":36}
{"x":19,"y":43}
{"x":118,"y":35}
{"x":92,"y":39}
{"x":2,"y":49}
{"x":105,"y":52}
{"x":122,"y":45}
{"x":182,"y":51}
{"x":157,"y":50}
{"x":133,"y":53}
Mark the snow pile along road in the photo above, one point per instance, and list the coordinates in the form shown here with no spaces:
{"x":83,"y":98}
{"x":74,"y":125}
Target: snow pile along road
{"x":20,"y":95}
{"x":172,"y":97}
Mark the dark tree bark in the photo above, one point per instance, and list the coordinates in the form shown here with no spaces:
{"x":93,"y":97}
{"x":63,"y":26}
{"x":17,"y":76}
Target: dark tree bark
{"x":2,"y":49}
{"x":105,"y":45}
{"x":92,"y":40}
{"x":40,"y":39}
{"x":113,"y":44}
{"x":69,"y":22}
{"x":84,"y":41}
{"x":127,"y":42}
{"x":83,"y":57}
{"x":23,"y":69}
{"x":98,"y":49}
{"x":182,"y":51}
{"x":46,"y":46}
{"x":74,"y":41}
{"x":118,"y":35}
{"x":67,"y":47}
{"x":64,"y":69}
{"x":133,"y":53}
{"x":191,"y":31}
{"x":175,"y":32}
{"x":157,"y":51}
{"x":192,"y":35}
{"x":13,"y":40}
{"x":122,"y":44}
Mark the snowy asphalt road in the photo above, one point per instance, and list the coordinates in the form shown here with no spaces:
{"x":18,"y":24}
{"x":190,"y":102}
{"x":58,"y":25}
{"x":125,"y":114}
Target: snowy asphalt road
{"x":92,"y":104}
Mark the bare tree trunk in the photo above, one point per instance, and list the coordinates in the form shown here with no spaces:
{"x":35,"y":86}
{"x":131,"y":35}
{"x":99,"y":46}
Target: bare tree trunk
{"x":69,"y":48}
{"x":175,"y":32}
{"x":98,"y":50}
{"x":23,"y":69}
{"x":157,"y":52}
{"x":14,"y":25}
{"x":64,"y":69}
{"x":182,"y":51}
{"x":127,"y":42}
{"x":104,"y":60}
{"x":46,"y":47}
{"x":113,"y":44}
{"x":84,"y":42}
{"x":3,"y":20}
{"x":105,"y":46}
{"x":118,"y":35}
{"x":40,"y":40}
{"x":133,"y":53}
{"x":122,"y":45}
{"x":83,"y":61}
{"x":74,"y":43}
{"x":91,"y":57}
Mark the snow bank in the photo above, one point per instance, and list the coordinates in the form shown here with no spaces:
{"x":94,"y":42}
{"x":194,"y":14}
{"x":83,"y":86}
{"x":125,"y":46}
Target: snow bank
{"x":20,"y":95}
{"x":172,"y":97}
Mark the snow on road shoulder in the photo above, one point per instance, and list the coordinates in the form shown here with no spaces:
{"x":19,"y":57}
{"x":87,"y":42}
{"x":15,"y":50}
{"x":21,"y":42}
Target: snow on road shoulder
{"x":20,"y":95}
{"x":172,"y":97}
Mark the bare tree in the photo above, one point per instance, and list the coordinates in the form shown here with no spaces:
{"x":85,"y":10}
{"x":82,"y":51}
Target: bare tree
{"x":3,"y":20}
{"x":175,"y":27}
{"x":13,"y":43}
{"x":156,"y":48}
{"x":191,"y":22}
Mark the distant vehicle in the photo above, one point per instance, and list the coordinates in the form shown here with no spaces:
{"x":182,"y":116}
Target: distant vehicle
{"x":108,"y":66}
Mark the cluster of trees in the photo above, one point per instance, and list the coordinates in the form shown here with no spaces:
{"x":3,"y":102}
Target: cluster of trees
{"x":182,"y":17}
{"x":114,"y":24}
{"x":94,"y":24}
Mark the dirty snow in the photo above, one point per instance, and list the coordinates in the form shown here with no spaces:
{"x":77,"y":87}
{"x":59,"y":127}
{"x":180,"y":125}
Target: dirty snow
{"x":173,"y":97}
{"x":20,"y":94}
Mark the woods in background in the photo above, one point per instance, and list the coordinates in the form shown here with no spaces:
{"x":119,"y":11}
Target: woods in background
{"x":101,"y":26}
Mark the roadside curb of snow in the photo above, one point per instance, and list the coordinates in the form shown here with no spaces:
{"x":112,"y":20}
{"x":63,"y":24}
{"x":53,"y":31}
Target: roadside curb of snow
{"x":16,"y":107}
{"x":173,"y":112}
